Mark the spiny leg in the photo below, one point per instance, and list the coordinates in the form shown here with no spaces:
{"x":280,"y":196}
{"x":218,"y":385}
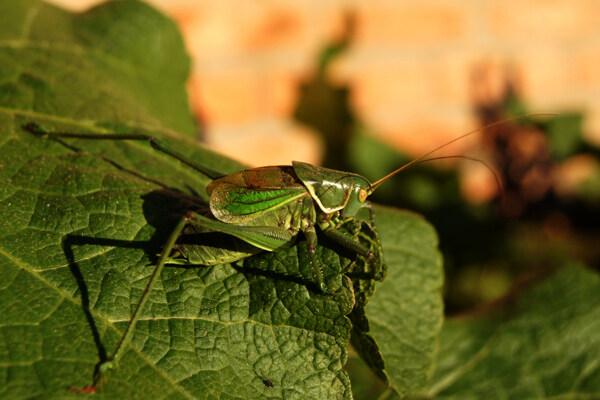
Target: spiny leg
{"x":112,"y":361}
{"x":352,"y":244}
{"x":348,"y":242}
{"x":156,"y":144}
{"x":311,"y":246}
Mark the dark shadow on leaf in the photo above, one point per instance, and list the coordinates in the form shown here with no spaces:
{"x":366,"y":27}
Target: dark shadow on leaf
{"x":85,"y":300}
{"x":250,"y":272}
{"x":339,"y":249}
{"x":162,"y":209}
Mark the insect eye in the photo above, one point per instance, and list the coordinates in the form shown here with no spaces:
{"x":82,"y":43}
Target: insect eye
{"x":362,"y":195}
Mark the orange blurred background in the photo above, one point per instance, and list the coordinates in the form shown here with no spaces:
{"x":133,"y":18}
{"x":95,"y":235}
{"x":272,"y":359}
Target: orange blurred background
{"x":414,"y":75}
{"x":410,"y":66}
{"x":415,"y":72}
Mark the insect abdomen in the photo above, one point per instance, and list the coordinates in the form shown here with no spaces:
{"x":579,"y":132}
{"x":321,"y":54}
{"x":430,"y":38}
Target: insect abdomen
{"x":293,"y":216}
{"x":200,"y":246}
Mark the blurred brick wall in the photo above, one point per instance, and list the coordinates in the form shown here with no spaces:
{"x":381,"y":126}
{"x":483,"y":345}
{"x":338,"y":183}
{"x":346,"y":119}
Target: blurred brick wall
{"x":410,"y":66}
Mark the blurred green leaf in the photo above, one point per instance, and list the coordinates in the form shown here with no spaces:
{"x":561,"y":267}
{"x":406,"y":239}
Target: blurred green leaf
{"x":590,"y":189}
{"x":564,"y":134}
{"x":371,"y":157}
{"x":544,"y":346}
{"x":118,"y":62}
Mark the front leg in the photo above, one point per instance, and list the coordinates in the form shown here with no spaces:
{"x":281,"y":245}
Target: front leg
{"x":311,"y":246}
{"x":372,"y":255}
{"x":348,"y":242}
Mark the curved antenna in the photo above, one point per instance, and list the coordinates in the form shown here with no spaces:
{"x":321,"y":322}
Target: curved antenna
{"x":422,"y":158}
{"x":489,"y":167}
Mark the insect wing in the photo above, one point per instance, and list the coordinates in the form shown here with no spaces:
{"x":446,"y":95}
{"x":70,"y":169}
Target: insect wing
{"x":235,"y":204}
{"x":270,"y":238}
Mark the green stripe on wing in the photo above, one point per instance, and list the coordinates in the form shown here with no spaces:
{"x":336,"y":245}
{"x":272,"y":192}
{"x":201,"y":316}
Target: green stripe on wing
{"x":236,"y":204}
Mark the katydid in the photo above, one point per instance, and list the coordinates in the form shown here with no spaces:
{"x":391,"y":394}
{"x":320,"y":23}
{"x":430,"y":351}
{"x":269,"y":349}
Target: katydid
{"x":264,"y":209}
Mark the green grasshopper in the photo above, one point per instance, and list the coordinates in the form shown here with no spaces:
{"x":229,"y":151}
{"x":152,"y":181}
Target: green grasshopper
{"x":264,"y":208}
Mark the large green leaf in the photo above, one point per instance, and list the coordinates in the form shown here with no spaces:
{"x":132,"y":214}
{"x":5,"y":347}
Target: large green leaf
{"x":396,"y":334}
{"x":544,"y":346}
{"x":81,"y":222}
{"x":117,"y":63}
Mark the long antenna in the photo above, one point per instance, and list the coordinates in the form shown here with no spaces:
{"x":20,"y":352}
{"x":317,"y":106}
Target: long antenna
{"x":422,"y":158}
{"x":466,"y":158}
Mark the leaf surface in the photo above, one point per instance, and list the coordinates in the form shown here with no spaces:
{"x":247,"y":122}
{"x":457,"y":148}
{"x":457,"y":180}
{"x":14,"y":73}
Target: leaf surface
{"x":397,"y":332}
{"x":545,"y":345}
{"x":81,"y":223}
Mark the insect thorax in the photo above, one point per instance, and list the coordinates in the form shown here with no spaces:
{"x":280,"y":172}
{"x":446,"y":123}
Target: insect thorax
{"x":294,"y":216}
